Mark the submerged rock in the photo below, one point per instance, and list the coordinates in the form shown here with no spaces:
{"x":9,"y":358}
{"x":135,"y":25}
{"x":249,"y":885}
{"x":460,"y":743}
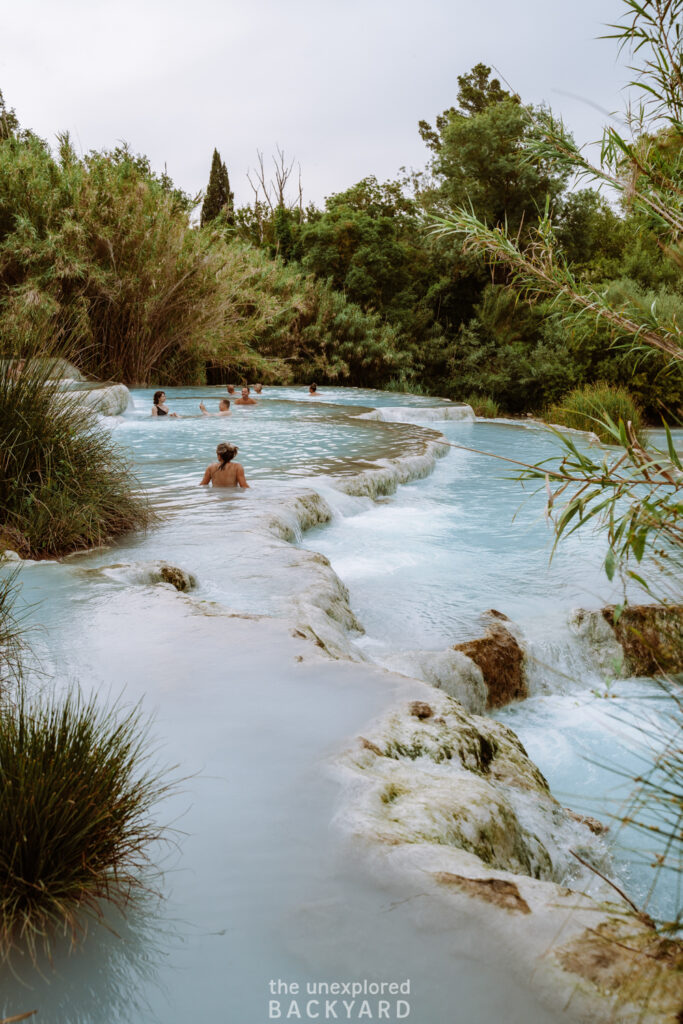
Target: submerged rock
{"x":9,"y":555}
{"x":160,"y":573}
{"x":501,"y":660}
{"x":644,"y":640}
{"x":180,"y":579}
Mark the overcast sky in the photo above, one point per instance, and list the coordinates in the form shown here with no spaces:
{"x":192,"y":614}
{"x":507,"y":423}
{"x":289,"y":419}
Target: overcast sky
{"x":339,"y":84}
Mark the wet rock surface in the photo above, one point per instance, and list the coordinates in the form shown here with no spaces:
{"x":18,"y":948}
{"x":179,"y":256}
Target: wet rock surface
{"x":450,"y":671}
{"x":494,"y":890}
{"x":643,"y":640}
{"x":455,"y":807}
{"x":651,"y":637}
{"x":500,"y":658}
{"x":443,"y":776}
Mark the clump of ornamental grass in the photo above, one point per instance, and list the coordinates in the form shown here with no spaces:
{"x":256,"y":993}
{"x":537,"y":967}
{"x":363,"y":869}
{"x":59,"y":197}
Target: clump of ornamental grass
{"x":64,"y":484}
{"x":586,"y":408}
{"x":76,"y":798}
{"x":484,"y":406}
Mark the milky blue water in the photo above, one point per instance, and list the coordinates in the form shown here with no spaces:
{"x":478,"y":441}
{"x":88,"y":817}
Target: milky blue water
{"x":257,"y":885}
{"x":424,"y":564}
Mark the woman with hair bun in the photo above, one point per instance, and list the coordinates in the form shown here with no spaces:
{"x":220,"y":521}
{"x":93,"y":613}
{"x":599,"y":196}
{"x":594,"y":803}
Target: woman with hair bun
{"x":225,"y":472}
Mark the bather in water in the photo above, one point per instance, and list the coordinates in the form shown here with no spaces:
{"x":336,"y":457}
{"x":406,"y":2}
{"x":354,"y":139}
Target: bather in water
{"x":225,"y":472}
{"x":160,"y":408}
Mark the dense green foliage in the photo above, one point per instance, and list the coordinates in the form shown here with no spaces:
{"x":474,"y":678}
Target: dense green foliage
{"x":76,"y":799}
{"x":358,"y":292}
{"x":63,"y":483}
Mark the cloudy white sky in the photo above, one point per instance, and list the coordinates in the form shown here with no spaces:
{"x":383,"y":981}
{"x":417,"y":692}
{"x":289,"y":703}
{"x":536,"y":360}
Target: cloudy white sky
{"x":339,"y":84}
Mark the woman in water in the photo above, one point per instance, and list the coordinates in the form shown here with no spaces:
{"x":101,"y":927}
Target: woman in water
{"x":160,"y":408}
{"x":225,"y":472}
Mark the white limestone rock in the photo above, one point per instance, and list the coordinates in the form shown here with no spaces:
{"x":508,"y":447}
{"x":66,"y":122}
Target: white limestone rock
{"x":449,"y":670}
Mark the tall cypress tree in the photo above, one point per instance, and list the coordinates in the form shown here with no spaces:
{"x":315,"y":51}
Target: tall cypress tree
{"x":218,"y":195}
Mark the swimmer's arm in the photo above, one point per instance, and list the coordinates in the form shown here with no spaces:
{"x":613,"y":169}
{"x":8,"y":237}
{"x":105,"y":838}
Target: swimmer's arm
{"x":155,"y":411}
{"x":202,"y":408}
{"x":206,"y":479}
{"x":241,"y":478}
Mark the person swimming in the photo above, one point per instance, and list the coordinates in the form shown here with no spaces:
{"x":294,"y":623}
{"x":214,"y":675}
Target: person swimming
{"x":313,"y":389}
{"x":223,"y":409}
{"x":258,"y":388}
{"x":246,"y":398}
{"x":231,"y":389}
{"x":160,"y":408}
{"x":225,"y":472}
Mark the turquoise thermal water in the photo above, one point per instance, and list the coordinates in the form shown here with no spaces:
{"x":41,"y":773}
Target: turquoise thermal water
{"x":422,"y":566}
{"x":259,"y":886}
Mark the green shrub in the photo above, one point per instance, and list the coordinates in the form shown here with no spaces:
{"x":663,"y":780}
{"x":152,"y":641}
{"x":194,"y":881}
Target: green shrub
{"x":76,"y":796}
{"x":482,"y":405}
{"x":585,"y":408}
{"x":64,"y":484}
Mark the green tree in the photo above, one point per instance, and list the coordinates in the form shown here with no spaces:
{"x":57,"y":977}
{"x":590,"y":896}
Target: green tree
{"x":9,"y":122}
{"x":218,"y":199}
{"x":476,"y":92}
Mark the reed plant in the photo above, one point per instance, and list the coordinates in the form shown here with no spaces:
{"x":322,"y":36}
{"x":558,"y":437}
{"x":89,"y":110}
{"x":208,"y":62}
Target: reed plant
{"x":483,"y":405}
{"x":77,"y":792}
{"x":585,"y":408}
{"x":64,"y":484}
{"x":12,"y":643}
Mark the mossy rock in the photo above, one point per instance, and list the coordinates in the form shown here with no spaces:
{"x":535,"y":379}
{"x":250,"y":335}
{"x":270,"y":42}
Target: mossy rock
{"x":180,"y":579}
{"x":651,"y":636}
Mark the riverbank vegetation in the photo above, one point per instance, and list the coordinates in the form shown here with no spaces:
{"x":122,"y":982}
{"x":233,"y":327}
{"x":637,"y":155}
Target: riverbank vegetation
{"x":76,"y":817}
{"x":356,"y":292}
{"x":64,"y":485}
{"x":585,"y":408}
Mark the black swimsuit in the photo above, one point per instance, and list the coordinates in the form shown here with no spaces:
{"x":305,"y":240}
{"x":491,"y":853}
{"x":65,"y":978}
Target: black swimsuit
{"x":161,"y":412}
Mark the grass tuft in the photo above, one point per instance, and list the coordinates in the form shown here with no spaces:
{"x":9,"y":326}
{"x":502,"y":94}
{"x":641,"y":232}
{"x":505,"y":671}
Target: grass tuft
{"x":484,"y":406}
{"x":64,"y":484}
{"x":76,"y":796}
{"x":585,"y":408}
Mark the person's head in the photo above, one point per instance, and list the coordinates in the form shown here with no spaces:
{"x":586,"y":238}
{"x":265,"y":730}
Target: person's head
{"x":245,"y":392}
{"x":224,"y":404}
{"x":313,"y":388}
{"x":226,"y":452}
{"x":231,"y":389}
{"x":159,"y":397}
{"x":258,"y":388}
